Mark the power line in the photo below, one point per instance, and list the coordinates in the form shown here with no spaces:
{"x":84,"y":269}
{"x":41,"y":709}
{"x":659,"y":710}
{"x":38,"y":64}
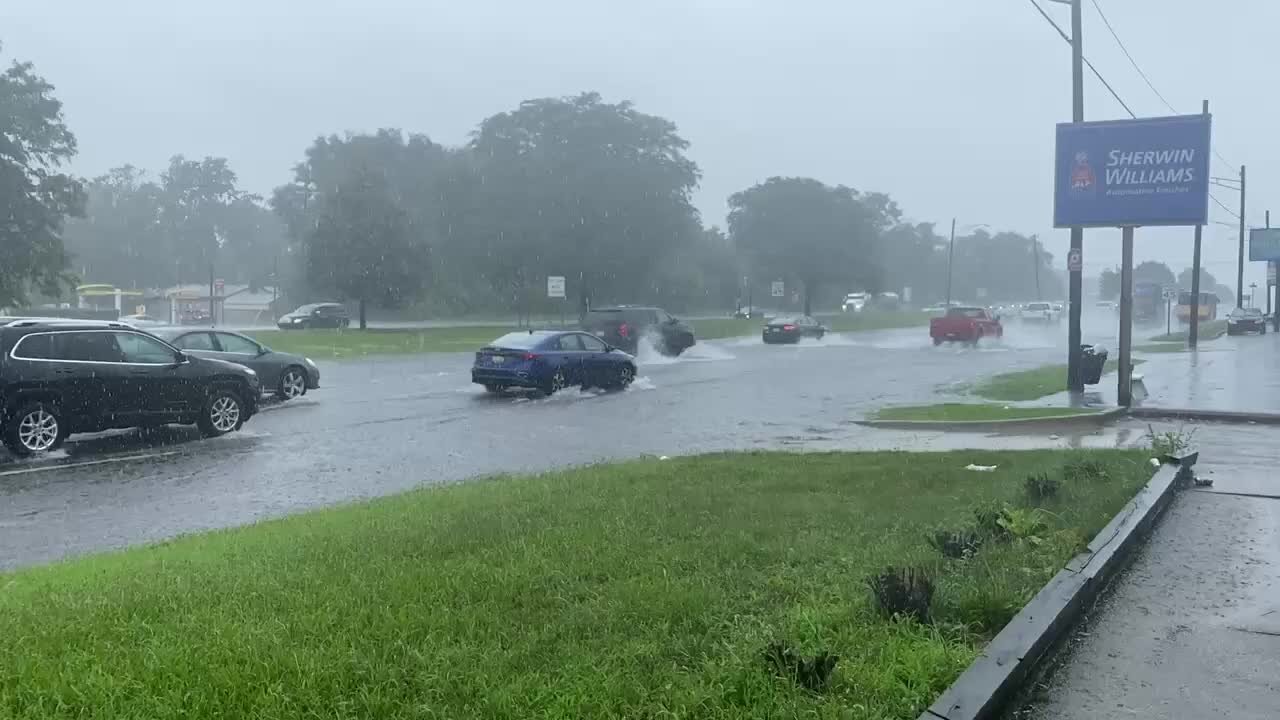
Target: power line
{"x":1230,"y":212}
{"x":1097,"y":74}
{"x":1143,"y":75}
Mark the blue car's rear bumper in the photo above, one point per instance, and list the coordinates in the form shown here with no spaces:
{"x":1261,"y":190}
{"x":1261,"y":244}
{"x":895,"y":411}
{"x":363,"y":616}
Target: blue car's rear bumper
{"x":508,"y":378}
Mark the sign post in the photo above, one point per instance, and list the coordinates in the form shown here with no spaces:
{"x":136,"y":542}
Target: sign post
{"x":779,"y":289}
{"x":1127,"y":174}
{"x":555,"y":289}
{"x":1169,"y":295}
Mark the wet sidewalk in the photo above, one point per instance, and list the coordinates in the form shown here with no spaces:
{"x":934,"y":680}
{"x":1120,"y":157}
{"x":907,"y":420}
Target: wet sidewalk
{"x":1192,"y":629}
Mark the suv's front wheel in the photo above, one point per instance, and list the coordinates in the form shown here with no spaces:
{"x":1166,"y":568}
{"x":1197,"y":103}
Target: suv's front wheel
{"x":223,"y":413}
{"x":36,"y":427}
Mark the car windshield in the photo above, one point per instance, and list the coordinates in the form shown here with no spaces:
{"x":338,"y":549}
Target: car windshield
{"x":591,"y":424}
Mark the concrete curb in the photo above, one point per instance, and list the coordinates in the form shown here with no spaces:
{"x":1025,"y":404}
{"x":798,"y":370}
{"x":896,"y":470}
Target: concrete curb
{"x":1158,"y":413}
{"x":987,"y":684}
{"x":1098,"y":418}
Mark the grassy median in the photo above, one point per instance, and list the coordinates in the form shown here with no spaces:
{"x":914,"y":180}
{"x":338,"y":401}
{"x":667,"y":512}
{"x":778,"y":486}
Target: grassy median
{"x":1032,"y":384}
{"x":354,"y":343}
{"x":975,"y":412}
{"x":644,"y":589}
{"x":1207,"y":331}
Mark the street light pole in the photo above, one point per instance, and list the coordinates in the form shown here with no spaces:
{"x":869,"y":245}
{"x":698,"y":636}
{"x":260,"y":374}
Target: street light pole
{"x":1240,"y":258}
{"x":951,"y":254}
{"x":1075,"y":380}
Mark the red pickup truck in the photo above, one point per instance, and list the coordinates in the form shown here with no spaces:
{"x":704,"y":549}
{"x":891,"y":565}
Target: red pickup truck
{"x":965,"y":324}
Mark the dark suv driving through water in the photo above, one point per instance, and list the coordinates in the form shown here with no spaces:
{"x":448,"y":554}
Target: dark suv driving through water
{"x":59,"y":377}
{"x":623,"y":326}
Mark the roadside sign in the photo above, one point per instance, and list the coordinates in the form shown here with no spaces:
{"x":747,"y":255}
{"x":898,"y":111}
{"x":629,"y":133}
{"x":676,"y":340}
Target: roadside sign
{"x":555,"y":286}
{"x":1075,"y":260}
{"x":1264,"y":244}
{"x":906,"y":294}
{"x":1150,"y":171}
{"x":779,"y":289}
{"x":1169,"y":294}
{"x":1271,"y":273}
{"x":219,"y":286}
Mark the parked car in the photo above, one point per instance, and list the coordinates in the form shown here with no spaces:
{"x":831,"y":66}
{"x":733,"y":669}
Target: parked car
{"x":317,"y":315}
{"x":855,"y":302}
{"x":142,"y":321}
{"x":59,"y":377}
{"x":286,"y":375}
{"x":792,"y":329}
{"x":551,"y":360}
{"x":964,"y":324}
{"x":195,"y":316}
{"x":1040,"y":312}
{"x":1246,"y":320}
{"x":623,"y":326}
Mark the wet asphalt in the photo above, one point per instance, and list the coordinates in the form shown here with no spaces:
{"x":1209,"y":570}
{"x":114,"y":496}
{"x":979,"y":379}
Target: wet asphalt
{"x":386,"y":425}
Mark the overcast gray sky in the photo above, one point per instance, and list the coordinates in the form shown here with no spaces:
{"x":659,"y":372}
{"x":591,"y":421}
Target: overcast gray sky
{"x":948,"y":105}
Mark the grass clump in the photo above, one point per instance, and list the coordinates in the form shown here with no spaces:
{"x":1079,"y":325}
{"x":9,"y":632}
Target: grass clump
{"x":956,"y":544}
{"x":809,"y":673}
{"x":641,"y":589}
{"x":1041,"y":487}
{"x":903,"y":593}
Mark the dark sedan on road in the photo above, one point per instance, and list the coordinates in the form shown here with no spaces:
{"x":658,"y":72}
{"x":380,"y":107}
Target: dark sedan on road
{"x":1246,"y":320}
{"x":792,"y":329}
{"x":319,"y":315}
{"x":551,"y":360}
{"x":624,"y":325}
{"x":287,"y":375}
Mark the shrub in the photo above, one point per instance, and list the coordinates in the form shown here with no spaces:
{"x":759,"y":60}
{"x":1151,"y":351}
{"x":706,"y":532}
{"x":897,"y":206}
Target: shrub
{"x":1085,"y":471}
{"x":810,"y":673}
{"x":956,"y":544}
{"x":1041,"y":487}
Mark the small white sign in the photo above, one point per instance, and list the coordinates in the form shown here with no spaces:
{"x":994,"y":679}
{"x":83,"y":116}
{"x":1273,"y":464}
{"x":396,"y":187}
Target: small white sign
{"x":1075,"y":260}
{"x":779,"y":290}
{"x":555,"y":286}
{"x":1170,"y":294}
{"x":906,"y":294}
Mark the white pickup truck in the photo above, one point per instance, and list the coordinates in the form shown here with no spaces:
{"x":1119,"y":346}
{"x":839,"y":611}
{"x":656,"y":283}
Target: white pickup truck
{"x":1040,"y":312}
{"x":855,"y":302}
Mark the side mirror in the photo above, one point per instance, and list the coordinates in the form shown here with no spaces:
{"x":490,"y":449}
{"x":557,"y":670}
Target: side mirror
{"x":263,"y":350}
{"x":181,"y":358}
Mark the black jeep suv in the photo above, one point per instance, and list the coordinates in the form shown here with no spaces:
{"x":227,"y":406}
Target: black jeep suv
{"x":59,"y":377}
{"x":624,"y":325}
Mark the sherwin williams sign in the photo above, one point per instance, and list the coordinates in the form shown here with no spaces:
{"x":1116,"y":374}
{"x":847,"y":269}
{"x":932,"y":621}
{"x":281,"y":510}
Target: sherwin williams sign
{"x":1153,"y":171}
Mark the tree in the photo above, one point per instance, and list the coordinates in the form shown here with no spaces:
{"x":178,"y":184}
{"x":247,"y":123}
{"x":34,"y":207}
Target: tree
{"x":35,"y":199}
{"x":594,"y":191}
{"x":365,"y":213}
{"x":120,"y":240}
{"x":1007,"y":265}
{"x":1155,"y":273}
{"x":1109,"y":284}
{"x":1207,"y":280}
{"x":802,"y":230}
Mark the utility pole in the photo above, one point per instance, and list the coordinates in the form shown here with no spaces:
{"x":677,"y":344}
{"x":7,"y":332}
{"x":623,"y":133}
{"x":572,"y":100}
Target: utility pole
{"x":1075,"y":381}
{"x":1240,"y":258}
{"x":1194,"y":331}
{"x":951,"y":254}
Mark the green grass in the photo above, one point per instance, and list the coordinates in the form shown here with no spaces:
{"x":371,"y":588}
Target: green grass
{"x":1207,"y":331}
{"x":955,"y":412}
{"x":352,"y":343}
{"x":1160,"y":347}
{"x":641,"y":590}
{"x":1031,"y":384}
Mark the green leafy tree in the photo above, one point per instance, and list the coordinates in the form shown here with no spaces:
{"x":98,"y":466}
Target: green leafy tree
{"x":1109,"y":284}
{"x":598,"y":192}
{"x":1207,"y":281}
{"x":198,"y":196}
{"x":35,"y":199}
{"x":1007,"y":265}
{"x":365,"y":212}
{"x":121,"y":239}
{"x":1156,"y":273}
{"x":801,"y":230}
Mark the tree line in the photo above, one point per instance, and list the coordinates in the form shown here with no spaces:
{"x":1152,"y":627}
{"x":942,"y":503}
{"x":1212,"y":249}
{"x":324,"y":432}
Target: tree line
{"x":597,"y":192}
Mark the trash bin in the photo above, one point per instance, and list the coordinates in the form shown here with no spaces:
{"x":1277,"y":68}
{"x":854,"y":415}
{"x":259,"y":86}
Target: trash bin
{"x":1092,"y":360}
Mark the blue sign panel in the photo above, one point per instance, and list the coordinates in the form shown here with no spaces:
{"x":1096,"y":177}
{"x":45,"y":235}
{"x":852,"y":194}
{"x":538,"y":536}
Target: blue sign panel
{"x":1153,"y":171}
{"x":1264,"y":244}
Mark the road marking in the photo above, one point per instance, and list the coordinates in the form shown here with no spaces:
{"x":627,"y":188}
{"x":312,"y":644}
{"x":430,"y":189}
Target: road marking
{"x":88,"y":463}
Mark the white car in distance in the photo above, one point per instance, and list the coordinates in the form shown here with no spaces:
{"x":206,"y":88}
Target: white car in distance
{"x":1040,"y":312}
{"x":855,"y":302}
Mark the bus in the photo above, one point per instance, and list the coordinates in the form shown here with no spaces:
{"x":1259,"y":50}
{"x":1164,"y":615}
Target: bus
{"x":1208,"y":307}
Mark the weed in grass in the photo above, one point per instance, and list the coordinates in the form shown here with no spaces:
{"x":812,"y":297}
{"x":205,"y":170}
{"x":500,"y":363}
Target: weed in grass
{"x":1078,"y":471}
{"x":809,"y":673}
{"x":987,"y":519}
{"x":903,"y":592}
{"x":1040,"y":487}
{"x":956,"y":544}
{"x":1023,"y":524}
{"x":1172,"y":442}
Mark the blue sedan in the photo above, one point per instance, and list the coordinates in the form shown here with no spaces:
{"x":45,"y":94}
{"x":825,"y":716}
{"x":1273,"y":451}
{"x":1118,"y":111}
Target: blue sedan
{"x":550,"y":361}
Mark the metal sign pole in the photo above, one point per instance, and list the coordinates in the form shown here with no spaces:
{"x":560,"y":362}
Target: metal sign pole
{"x":1124,"y":391}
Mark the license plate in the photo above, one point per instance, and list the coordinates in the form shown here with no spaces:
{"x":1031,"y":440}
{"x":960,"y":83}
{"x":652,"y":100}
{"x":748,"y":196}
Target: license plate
{"x":497,"y":359}
{"x":773,"y":330}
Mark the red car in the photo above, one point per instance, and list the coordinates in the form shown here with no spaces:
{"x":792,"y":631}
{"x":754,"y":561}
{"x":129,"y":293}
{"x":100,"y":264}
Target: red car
{"x":965,"y":324}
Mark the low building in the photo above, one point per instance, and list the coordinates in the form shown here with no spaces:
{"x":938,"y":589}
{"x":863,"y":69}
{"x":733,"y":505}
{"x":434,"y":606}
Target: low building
{"x":231,"y":305}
